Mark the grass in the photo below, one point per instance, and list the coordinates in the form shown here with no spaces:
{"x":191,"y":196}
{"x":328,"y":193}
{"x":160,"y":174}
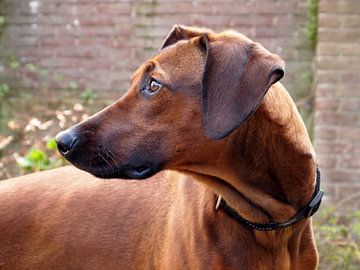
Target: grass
{"x":337,"y":234}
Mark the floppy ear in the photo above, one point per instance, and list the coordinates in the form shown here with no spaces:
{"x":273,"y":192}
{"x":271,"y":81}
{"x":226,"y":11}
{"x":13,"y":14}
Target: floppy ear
{"x":181,"y":32}
{"x":237,"y":76}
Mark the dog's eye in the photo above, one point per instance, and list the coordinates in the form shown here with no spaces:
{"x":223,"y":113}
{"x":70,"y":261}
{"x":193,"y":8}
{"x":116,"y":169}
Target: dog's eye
{"x":154,"y":86}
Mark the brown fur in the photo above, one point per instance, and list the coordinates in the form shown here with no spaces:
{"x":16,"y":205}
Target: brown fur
{"x":262,"y":163}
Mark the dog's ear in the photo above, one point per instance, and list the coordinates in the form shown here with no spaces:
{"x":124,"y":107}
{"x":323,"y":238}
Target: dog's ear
{"x":181,"y":32}
{"x":237,"y":75}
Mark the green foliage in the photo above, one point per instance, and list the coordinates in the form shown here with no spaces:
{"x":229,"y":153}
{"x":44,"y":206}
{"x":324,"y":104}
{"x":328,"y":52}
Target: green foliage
{"x":312,"y":23}
{"x":51,"y":144}
{"x":88,"y":95}
{"x":31,"y":67}
{"x":59,"y":77}
{"x":338,"y":239}
{"x":2,"y":21}
{"x":73,"y":85}
{"x":304,"y":97}
{"x":4,"y":90}
{"x":14,"y":64}
{"x":39,"y":160}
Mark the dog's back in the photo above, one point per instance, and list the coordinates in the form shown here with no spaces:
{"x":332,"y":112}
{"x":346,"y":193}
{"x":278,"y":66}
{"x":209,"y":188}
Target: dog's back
{"x":68,"y":219}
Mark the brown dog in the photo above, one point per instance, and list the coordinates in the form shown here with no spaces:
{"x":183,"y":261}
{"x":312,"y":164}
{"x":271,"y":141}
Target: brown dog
{"x":208,"y":111}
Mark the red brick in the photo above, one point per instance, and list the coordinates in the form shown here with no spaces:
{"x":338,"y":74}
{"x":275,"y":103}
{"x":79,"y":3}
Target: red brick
{"x":284,"y":31}
{"x":332,"y":49}
{"x":352,"y":77}
{"x":348,"y":6}
{"x":326,"y":89}
{"x":56,"y":42}
{"x":349,"y":134}
{"x":23,"y":41}
{"x":114,"y":8}
{"x":327,"y":76}
{"x":326,"y":147}
{"x":338,"y":34}
{"x":337,"y":118}
{"x":329,"y":20}
{"x":350,"y":162}
{"x":352,"y":21}
{"x":287,"y":19}
{"x":96,"y":31}
{"x":31,"y":30}
{"x":348,"y":90}
{"x":303,"y":54}
{"x":41,"y":52}
{"x":355,"y":147}
{"x":22,"y":19}
{"x":350,"y":49}
{"x":77,"y":10}
{"x":276,"y":8}
{"x":325,"y":133}
{"x":352,"y":104}
{"x":326,"y":161}
{"x":330,"y":190}
{"x":228,"y":8}
{"x":327,"y":104}
{"x":168,"y":8}
{"x":343,"y":176}
{"x":82,"y":51}
{"x":337,"y":63}
{"x":265,"y":20}
{"x":346,"y":191}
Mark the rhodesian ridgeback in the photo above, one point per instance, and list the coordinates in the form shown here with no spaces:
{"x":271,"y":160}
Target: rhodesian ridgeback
{"x":229,"y":172}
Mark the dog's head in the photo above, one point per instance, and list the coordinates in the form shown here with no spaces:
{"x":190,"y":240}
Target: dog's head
{"x":181,"y":106}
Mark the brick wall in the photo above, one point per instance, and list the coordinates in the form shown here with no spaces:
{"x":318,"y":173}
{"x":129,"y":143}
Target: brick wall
{"x":337,"y":130}
{"x":98,"y":43}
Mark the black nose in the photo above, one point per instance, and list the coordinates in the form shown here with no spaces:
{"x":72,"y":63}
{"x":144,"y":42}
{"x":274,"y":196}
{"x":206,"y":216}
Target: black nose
{"x":66,"y":141}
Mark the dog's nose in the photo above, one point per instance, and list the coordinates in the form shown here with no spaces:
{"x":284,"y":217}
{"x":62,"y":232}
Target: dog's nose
{"x":66,"y":141}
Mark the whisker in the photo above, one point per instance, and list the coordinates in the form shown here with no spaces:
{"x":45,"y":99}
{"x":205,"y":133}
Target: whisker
{"x":117,"y":162}
{"x":106,"y":162}
{"x":89,"y":166}
{"x":107,"y":156}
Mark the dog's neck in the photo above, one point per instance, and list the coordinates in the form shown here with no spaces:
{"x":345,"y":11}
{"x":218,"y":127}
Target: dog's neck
{"x":269,"y":171}
{"x":276,"y":166}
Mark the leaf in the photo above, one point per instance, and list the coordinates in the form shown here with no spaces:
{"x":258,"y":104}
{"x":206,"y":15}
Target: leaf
{"x":14,"y":64}
{"x":73,"y":85}
{"x":37,"y":155}
{"x":356,"y":229}
{"x":51,"y":144}
{"x":4,"y":89}
{"x":31,"y":67}
{"x":24,"y":163}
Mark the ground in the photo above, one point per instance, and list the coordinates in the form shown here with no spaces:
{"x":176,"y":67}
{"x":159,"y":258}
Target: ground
{"x":27,"y":128}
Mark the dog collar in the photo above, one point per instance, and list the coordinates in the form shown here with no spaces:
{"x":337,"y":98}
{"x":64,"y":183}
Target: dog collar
{"x":305,"y":212}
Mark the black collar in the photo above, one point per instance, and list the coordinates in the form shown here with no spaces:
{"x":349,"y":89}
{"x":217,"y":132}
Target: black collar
{"x":305,"y":212}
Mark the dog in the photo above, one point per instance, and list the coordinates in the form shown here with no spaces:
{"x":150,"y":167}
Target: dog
{"x":225,"y":160}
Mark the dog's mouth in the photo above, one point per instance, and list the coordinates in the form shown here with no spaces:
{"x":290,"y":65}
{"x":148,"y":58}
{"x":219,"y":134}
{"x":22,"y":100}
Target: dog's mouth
{"x":139,"y":172}
{"x":101,"y":162}
{"x":126,"y":172}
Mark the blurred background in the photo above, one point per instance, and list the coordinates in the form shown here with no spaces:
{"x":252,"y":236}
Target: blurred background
{"x":62,"y":60}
